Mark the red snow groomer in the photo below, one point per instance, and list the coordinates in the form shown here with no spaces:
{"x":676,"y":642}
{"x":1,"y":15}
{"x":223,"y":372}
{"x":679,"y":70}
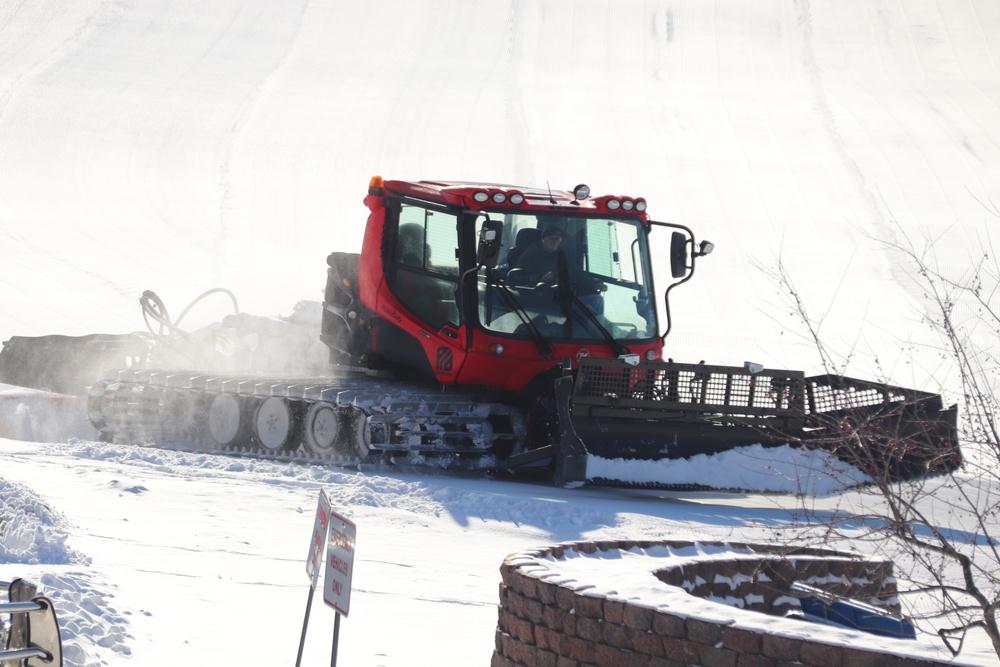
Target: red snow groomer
{"x":501,"y":328}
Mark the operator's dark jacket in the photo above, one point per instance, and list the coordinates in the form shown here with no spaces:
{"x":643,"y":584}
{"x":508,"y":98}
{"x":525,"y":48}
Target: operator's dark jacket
{"x":536,"y":262}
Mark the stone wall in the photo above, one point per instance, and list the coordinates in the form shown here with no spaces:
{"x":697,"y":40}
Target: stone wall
{"x":547,"y":621}
{"x":763,"y":583}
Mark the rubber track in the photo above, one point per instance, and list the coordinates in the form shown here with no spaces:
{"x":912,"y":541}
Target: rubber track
{"x":397,"y":420}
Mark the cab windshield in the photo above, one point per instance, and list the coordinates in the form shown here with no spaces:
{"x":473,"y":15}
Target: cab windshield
{"x":569,"y":278}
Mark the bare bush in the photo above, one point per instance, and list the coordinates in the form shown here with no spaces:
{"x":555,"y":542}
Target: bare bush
{"x":938,"y":525}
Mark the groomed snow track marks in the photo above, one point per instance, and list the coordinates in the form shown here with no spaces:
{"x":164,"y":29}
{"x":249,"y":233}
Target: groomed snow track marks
{"x":349,"y":420}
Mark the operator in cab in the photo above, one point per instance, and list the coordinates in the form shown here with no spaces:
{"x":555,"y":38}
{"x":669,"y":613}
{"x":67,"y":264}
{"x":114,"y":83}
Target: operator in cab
{"x":540,"y":262}
{"x":540,"y":267}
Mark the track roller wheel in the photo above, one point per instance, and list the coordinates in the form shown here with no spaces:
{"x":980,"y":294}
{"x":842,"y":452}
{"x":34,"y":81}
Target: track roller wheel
{"x":322,"y":429}
{"x":275,"y":425}
{"x":225,"y":421}
{"x":99,"y":408}
{"x":336,"y":434}
{"x":179,"y":414}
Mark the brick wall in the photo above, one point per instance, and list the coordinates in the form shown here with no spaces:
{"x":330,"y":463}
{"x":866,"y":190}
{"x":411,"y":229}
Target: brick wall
{"x":762,"y":583}
{"x":547,"y":622}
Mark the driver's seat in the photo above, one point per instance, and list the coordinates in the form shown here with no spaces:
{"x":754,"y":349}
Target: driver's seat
{"x":525,"y":238}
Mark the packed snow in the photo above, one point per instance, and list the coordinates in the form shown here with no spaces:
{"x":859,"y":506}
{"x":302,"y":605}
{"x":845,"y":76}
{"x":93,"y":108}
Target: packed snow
{"x":780,"y":469}
{"x":181,"y":147}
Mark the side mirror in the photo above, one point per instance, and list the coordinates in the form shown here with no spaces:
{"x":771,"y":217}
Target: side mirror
{"x":490,"y":238}
{"x":681,"y":261}
{"x":678,"y":255}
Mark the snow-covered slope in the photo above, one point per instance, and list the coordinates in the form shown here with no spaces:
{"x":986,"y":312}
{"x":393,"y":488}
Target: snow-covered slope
{"x":178,"y":146}
{"x":181,"y":146}
{"x":159,"y":558}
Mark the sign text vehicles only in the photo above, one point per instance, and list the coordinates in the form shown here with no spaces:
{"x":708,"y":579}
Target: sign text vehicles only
{"x":339,"y":563}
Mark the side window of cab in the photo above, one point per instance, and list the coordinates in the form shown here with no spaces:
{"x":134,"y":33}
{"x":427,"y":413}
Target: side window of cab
{"x":423,"y":271}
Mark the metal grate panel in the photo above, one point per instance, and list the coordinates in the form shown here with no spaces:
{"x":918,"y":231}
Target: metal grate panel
{"x":833,"y":393}
{"x":691,"y":387}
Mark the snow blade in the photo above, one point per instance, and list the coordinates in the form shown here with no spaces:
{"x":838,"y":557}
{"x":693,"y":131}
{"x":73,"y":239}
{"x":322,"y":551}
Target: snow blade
{"x":666,"y":410}
{"x":66,"y":364}
{"x":881,"y":429}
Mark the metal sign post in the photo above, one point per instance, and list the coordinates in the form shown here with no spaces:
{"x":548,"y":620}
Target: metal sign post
{"x":321,"y":529}
{"x":339,"y":571}
{"x":336,"y":535}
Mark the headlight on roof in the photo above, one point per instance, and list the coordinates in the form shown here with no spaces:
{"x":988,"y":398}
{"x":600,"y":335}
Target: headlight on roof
{"x":499,"y":197}
{"x":481,"y":197}
{"x":614,"y":204}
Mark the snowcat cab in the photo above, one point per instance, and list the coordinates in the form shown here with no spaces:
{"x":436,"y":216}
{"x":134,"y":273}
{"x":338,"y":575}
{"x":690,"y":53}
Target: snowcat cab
{"x":443,"y":277}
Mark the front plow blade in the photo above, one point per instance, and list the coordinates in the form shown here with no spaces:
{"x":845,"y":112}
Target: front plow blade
{"x":665,"y":410}
{"x":880,"y":429}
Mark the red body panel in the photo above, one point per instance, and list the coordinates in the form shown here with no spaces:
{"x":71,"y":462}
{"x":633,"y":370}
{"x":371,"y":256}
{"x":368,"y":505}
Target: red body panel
{"x":521,"y":361}
{"x":371,"y":273}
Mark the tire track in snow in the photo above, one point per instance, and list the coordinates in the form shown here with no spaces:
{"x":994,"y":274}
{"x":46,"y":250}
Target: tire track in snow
{"x":880,"y":218}
{"x":971,"y":157}
{"x":814,"y":76}
{"x":246,"y":107}
{"x":18,"y":81}
{"x":524,"y":165}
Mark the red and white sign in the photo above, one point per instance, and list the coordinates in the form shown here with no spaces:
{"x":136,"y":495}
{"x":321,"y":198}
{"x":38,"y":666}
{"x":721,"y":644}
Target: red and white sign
{"x":321,"y":529}
{"x":339,"y":563}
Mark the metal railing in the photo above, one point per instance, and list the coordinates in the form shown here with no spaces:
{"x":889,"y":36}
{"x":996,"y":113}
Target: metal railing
{"x":32,"y":638}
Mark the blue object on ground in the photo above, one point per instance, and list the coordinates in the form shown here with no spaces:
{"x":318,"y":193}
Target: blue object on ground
{"x":823,"y":607}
